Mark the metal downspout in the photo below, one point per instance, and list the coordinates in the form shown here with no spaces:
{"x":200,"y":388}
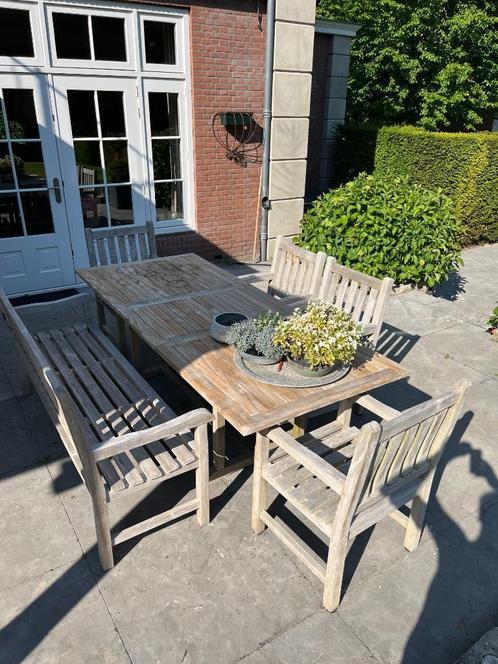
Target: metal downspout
{"x":267,"y":106}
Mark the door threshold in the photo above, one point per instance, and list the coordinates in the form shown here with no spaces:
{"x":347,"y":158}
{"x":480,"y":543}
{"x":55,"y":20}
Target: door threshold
{"x":45,"y":298}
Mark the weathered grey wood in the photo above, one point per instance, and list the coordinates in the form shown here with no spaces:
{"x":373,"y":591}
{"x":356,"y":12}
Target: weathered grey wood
{"x":345,"y":486}
{"x":169,"y":303}
{"x":218,"y":440}
{"x":361,"y":295}
{"x":102,"y":248}
{"x":259,"y":490}
{"x":118,"y":432}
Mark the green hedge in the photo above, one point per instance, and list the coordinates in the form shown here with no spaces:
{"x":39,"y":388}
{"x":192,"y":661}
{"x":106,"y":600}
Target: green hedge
{"x":464,"y":166}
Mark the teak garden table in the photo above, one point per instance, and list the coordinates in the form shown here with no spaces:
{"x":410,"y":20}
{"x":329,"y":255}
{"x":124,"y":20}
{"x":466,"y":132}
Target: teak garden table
{"x":169,"y":304}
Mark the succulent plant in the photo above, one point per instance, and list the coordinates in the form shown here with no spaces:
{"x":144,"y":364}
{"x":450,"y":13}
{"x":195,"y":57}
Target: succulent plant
{"x":256,"y":335}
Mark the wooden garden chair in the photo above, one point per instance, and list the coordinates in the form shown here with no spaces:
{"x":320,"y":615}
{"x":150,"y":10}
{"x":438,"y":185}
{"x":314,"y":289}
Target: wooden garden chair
{"x":112,"y":246}
{"x":345,"y":480}
{"x":120,"y":244}
{"x":295,"y":272}
{"x":362,"y":296}
{"x":120,"y":435}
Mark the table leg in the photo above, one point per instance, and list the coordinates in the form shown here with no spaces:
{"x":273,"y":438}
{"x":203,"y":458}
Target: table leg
{"x":300,"y":424}
{"x":122,"y":336}
{"x":218,"y":441}
{"x":259,"y":486}
{"x":344,"y":412}
{"x":136,"y":357}
{"x":100,"y":313}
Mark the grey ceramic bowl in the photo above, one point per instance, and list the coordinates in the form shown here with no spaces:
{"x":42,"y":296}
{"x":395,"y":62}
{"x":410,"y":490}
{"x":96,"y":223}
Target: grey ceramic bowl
{"x":221,"y":323}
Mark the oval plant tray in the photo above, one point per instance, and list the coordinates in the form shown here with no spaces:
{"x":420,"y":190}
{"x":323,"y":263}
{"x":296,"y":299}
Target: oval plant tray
{"x":285,"y":378}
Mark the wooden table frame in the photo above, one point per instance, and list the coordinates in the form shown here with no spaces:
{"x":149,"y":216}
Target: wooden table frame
{"x":168,"y":304}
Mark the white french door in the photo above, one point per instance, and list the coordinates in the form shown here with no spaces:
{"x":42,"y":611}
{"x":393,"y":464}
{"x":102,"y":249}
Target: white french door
{"x":101,"y":153}
{"x":35,"y":250}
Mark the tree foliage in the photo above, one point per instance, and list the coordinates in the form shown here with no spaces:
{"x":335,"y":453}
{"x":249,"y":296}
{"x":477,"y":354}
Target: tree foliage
{"x":432,"y":63}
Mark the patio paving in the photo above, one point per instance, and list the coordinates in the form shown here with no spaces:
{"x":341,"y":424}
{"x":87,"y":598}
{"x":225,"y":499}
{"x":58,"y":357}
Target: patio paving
{"x":221,"y":595}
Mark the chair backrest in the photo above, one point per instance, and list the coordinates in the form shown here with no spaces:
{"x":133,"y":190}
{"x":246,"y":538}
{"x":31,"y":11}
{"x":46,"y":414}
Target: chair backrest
{"x":296,"y":271}
{"x":394,"y":459}
{"x":58,"y":402}
{"x":361,"y":295}
{"x":111,"y":246}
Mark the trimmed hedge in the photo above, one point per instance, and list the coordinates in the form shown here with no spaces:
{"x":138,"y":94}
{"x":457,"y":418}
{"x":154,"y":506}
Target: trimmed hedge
{"x":464,"y":166}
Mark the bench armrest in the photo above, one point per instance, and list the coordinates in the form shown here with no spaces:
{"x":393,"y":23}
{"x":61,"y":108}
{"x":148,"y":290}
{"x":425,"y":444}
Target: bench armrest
{"x":314,"y":463}
{"x":130,"y":441}
{"x":377,"y":407}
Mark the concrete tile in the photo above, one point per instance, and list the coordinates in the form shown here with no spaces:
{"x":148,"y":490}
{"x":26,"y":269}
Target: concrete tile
{"x":49,"y":316}
{"x":213,"y":594}
{"x":413,"y":317}
{"x":18,"y":448}
{"x":6,"y":391}
{"x":58,"y":618}
{"x":35,"y":532}
{"x":473,"y":307}
{"x":321,"y":639}
{"x":430,"y":606}
{"x":469,"y":343}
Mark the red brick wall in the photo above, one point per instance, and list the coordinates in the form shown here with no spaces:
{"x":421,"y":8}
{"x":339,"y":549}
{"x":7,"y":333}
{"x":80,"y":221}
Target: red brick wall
{"x":227,"y":71}
{"x":320,"y":71}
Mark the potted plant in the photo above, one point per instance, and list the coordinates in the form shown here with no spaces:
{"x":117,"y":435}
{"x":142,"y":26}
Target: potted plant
{"x":319,"y":339}
{"x":254,"y":338}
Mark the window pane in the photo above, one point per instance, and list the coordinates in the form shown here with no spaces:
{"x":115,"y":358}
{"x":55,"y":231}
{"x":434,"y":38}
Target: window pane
{"x":163,"y":109}
{"x":21,"y":114}
{"x":159,"y":40}
{"x":93,"y":207}
{"x":2,"y":125}
{"x":10,"y":217}
{"x":116,"y":161}
{"x":15,"y":33}
{"x":82,"y":112}
{"x":109,"y":38}
{"x":72,"y":39}
{"x":166,"y":159}
{"x":87,"y":155}
{"x":112,"y":122}
{"x":28,"y":162}
{"x":120,"y":205}
{"x":6,"y":175}
{"x":169,"y":203}
{"x":37,"y":212}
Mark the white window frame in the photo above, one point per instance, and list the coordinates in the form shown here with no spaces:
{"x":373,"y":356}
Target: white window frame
{"x":34,"y":17}
{"x":89,"y":11}
{"x":186,"y":153}
{"x":178,"y":19}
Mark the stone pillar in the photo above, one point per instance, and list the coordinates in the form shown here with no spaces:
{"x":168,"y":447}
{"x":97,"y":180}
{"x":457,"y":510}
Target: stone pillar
{"x":292,"y":67}
{"x":335,"y":103}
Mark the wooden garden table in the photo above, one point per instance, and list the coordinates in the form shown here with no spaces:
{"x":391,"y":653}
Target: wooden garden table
{"x":169,"y":304}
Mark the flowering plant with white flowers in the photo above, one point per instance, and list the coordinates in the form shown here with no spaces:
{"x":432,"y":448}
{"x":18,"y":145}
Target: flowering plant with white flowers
{"x":321,"y":335}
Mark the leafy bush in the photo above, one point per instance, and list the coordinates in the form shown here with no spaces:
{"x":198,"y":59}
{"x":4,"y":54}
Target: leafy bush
{"x":493,"y":319}
{"x":322,"y":335}
{"x":256,"y":335}
{"x":386,"y":226}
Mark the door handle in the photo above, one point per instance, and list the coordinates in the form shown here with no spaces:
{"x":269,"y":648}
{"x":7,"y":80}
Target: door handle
{"x":57,"y":190}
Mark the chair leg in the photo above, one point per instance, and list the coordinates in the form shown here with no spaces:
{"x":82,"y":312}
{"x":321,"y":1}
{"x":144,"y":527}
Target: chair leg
{"x":333,"y":576}
{"x":202,"y":475}
{"x":416,"y":520}
{"x":103,"y":531}
{"x":259,"y":487}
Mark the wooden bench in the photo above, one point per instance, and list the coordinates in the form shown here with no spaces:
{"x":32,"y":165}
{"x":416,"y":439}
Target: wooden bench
{"x":120,"y":435}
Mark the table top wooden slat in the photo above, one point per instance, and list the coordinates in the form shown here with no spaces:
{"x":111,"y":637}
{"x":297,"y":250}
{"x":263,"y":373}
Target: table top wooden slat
{"x":169,"y":302}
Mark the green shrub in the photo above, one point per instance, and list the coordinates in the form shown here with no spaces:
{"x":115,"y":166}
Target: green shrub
{"x":386,"y":226}
{"x":464,"y":166}
{"x":493,"y":319}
